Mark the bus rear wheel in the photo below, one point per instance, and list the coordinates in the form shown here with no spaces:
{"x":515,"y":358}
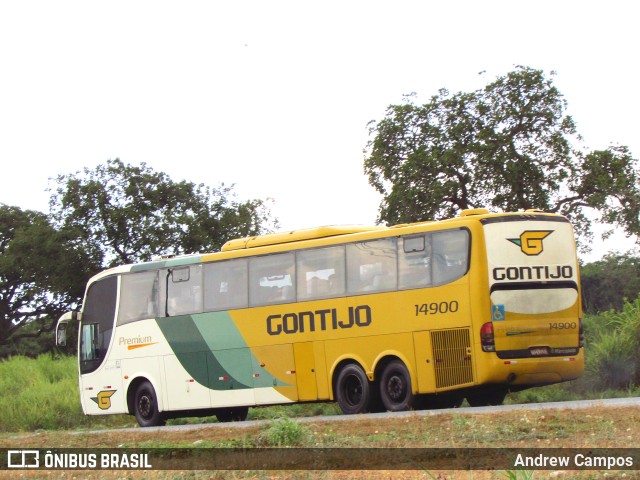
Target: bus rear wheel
{"x":395,"y":387}
{"x":145,"y":406}
{"x":234,"y":414}
{"x":352,"y":389}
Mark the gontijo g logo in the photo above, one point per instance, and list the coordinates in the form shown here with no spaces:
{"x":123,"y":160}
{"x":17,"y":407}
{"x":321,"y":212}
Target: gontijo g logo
{"x":530,"y":241}
{"x":104,"y":399}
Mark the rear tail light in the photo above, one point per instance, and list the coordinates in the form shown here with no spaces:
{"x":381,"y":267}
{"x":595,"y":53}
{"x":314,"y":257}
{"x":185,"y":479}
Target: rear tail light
{"x":486,"y":338}
{"x":580,"y":334}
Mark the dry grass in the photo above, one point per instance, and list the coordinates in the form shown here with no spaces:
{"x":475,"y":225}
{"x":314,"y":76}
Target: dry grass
{"x":598,"y":427}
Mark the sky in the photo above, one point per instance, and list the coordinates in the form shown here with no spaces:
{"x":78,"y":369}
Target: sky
{"x":275,"y":97}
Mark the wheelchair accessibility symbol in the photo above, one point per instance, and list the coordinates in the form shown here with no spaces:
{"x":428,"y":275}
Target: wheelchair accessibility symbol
{"x":497,"y":313}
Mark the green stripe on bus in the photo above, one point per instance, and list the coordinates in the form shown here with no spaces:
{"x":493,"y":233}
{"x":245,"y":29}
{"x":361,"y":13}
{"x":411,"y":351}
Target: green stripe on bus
{"x":193,"y":353}
{"x":211,"y":349}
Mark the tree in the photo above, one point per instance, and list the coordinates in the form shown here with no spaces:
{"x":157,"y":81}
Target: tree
{"x":609,"y":282}
{"x":127,"y":213}
{"x":508,"y":146}
{"x":42,"y":274}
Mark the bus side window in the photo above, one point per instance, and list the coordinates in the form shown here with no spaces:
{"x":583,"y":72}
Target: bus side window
{"x":450,"y":255}
{"x":138,"y":297}
{"x":272,"y":279}
{"x":414,"y":261}
{"x":226,"y":285}
{"x":181,"y":290}
{"x":321,"y":273}
{"x":372,"y":266}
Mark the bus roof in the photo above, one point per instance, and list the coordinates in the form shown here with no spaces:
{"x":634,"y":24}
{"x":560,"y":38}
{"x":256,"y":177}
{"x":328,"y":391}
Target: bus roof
{"x":295,"y":236}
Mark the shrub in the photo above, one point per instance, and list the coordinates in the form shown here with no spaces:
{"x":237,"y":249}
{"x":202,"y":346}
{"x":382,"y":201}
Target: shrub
{"x":284,"y":432}
{"x":613,"y":353}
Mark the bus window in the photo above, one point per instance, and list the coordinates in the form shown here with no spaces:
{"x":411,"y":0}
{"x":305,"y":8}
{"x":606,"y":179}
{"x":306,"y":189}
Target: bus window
{"x":372,"y":266}
{"x":181,"y":290}
{"x":226,"y":285}
{"x":321,"y":273}
{"x":97,"y":323}
{"x":414,"y":262}
{"x":138,"y":297}
{"x":450,"y":255}
{"x":272,"y":279}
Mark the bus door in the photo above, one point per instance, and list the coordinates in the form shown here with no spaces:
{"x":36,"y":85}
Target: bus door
{"x":311,"y":371}
{"x":100,"y":378}
{"x":533,"y":281}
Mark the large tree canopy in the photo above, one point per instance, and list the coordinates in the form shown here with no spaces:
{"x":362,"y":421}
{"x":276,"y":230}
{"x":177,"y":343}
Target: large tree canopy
{"x":509,"y":146}
{"x":126,"y":213}
{"x":42,"y":273}
{"x":110,"y":215}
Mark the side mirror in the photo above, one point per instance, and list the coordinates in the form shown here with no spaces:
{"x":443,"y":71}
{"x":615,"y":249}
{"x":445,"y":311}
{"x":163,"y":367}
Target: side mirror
{"x":61,"y":328}
{"x":61,"y":335}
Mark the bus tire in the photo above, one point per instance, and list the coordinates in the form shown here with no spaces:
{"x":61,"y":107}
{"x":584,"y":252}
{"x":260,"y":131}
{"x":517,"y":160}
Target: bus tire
{"x":352,"y":389}
{"x":145,"y":406}
{"x":395,"y":387}
{"x":233,"y":414}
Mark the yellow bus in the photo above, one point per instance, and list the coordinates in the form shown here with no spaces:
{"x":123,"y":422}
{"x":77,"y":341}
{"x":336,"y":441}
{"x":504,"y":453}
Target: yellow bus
{"x":418,"y":315}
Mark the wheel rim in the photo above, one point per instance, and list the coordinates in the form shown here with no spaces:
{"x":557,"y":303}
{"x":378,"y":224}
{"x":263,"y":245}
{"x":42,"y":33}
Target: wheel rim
{"x":353,"y":390}
{"x":145,"y":407}
{"x":397,"y":388}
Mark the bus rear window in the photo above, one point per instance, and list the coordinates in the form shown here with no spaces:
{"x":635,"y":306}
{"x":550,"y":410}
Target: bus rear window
{"x":450,"y":255}
{"x":433,"y":259}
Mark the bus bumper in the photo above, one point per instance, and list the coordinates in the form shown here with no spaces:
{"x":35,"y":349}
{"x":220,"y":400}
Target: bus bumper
{"x":532,"y":371}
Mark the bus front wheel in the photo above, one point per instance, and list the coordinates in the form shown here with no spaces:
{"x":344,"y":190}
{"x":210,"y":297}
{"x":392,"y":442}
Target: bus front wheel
{"x":395,"y":387}
{"x":352,"y":389}
{"x":146,"y":406}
